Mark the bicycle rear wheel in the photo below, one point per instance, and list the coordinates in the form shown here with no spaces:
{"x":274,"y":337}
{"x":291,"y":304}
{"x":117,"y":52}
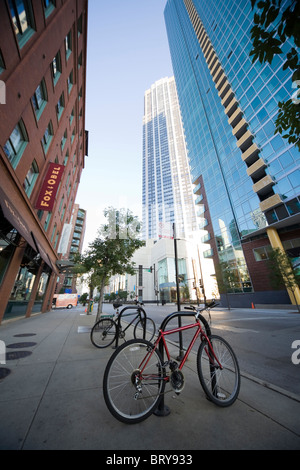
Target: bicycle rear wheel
{"x":221,"y":384}
{"x":150,"y":329}
{"x":103,"y":333}
{"x":131,"y":395}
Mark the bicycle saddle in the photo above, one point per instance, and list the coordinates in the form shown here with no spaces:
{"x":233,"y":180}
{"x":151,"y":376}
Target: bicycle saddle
{"x":117,"y":304}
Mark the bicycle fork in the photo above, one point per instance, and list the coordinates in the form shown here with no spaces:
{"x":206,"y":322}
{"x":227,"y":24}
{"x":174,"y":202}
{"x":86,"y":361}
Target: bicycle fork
{"x":214,"y":365}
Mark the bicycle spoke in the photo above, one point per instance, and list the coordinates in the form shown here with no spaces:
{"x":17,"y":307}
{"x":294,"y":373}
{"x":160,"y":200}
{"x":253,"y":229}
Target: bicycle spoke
{"x":218,"y":371}
{"x":131,"y":395}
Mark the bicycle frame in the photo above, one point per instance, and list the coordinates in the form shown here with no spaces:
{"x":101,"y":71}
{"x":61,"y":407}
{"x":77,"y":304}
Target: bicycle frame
{"x":162,"y":343}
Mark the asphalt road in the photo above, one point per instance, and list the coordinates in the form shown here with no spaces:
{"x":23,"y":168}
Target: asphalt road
{"x":261,"y":338}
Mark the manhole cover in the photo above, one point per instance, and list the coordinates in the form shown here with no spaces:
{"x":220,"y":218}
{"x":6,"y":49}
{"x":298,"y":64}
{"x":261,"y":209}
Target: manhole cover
{"x":11,"y":356}
{"x":4,"y":372}
{"x":20,"y":345}
{"x":23,"y":335}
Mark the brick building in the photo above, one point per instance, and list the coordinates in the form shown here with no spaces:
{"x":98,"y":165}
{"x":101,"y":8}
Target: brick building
{"x":43,"y":143}
{"x":71,"y":244}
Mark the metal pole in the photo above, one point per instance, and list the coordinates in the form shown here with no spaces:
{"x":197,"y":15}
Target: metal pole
{"x":181,"y":353}
{"x":202,"y":280}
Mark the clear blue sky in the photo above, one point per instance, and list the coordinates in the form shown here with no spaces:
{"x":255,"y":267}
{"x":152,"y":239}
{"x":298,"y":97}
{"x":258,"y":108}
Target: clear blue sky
{"x":127,"y":52}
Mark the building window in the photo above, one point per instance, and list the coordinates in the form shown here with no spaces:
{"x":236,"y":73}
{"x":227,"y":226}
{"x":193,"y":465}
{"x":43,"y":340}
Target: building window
{"x":56,"y":240}
{"x":2,"y":65}
{"x":66,"y":158}
{"x":64,"y":140}
{"x":80,"y":60}
{"x":47,"y":137}
{"x":262,"y":253}
{"x":22,"y":18}
{"x":16,"y":144}
{"x":79,"y":25}
{"x":56,"y":67}
{"x":72,"y":116}
{"x":70,"y":82}
{"x":39,"y":99}
{"x":60,"y":106}
{"x":68,"y":44}
{"x":61,"y":204}
{"x":49,"y":6}
{"x":68,"y":179}
{"x":53,"y":232}
{"x":47,"y":221}
{"x":63,"y":213}
{"x":31,"y":178}
{"x":73,"y":135}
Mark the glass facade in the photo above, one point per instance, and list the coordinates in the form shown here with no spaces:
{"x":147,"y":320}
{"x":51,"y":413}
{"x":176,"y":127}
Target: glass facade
{"x":167,"y":188}
{"x":235,"y":190}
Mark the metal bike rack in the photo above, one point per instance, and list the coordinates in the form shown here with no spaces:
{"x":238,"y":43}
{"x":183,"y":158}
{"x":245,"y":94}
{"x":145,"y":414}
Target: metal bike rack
{"x":162,"y":409}
{"x":130,"y":307}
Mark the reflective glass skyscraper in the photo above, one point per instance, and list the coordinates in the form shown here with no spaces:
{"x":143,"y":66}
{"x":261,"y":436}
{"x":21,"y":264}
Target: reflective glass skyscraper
{"x":167,"y":187}
{"x":250,"y":176}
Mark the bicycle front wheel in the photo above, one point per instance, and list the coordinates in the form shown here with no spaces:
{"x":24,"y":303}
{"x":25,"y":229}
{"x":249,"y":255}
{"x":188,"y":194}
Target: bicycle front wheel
{"x":218,"y":371}
{"x":103,"y":333}
{"x":150,"y":329}
{"x":134,"y":381}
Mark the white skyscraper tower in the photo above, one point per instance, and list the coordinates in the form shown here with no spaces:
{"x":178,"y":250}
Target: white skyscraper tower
{"x":167,"y":188}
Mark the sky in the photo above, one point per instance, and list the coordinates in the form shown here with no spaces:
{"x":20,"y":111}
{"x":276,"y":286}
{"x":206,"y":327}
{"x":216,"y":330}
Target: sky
{"x":127,"y":52}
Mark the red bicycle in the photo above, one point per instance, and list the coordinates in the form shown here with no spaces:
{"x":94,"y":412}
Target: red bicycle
{"x":136,"y":375}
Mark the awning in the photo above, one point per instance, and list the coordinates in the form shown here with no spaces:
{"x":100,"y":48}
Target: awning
{"x":16,"y":220}
{"x":44,"y":255}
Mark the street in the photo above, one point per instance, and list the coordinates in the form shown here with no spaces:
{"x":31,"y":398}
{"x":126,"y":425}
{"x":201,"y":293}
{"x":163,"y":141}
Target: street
{"x":261,"y":339}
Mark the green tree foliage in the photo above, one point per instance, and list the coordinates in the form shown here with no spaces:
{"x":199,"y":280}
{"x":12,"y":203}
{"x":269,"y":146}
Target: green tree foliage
{"x":273,"y":25}
{"x":111,"y":251}
{"x":83,"y":298}
{"x":282,"y":272}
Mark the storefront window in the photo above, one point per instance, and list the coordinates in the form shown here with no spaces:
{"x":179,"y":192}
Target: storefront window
{"x":23,"y":285}
{"x":7,"y":248}
{"x":43,"y":283}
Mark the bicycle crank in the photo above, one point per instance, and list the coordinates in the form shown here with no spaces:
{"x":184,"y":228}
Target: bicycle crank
{"x":177,"y":381}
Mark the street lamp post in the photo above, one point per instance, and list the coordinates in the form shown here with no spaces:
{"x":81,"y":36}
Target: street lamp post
{"x":181,"y":353}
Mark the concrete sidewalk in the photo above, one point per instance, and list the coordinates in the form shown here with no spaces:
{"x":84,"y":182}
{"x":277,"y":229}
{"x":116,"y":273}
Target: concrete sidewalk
{"x":52,"y":399}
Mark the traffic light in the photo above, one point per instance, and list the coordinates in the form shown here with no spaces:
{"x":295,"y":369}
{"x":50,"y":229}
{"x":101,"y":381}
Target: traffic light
{"x":150,"y":269}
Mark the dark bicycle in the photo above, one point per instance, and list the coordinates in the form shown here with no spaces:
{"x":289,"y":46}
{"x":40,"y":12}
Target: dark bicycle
{"x":110,"y":328}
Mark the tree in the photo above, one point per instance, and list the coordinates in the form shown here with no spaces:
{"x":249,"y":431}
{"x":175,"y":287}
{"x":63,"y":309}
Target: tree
{"x":111,"y":251}
{"x":273,"y":25}
{"x":282,"y":272}
{"x":83,"y":298}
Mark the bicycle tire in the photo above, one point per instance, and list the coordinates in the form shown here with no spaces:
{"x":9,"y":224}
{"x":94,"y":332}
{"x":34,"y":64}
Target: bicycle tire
{"x":138,"y":331}
{"x":103,"y":333}
{"x":221,"y":386}
{"x":122,"y":397}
